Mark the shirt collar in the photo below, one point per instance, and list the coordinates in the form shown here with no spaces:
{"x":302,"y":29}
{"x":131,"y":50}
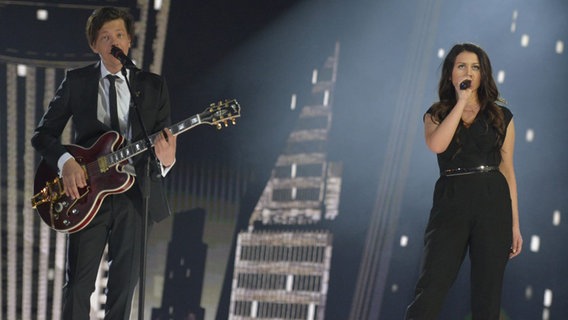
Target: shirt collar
{"x":105,"y":72}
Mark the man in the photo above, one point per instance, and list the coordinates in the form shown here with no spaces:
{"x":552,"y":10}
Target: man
{"x":84,"y":95}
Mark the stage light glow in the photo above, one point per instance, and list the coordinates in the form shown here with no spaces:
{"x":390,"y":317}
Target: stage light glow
{"x":545,"y":314}
{"x":22,"y":70}
{"x":293,"y":101}
{"x":293,"y":169}
{"x":289,"y":283}
{"x":525,"y":40}
{"x":403,"y":241}
{"x":556,"y":217}
{"x":42,"y":14}
{"x":547,"y":298}
{"x":528,"y":292}
{"x":559,"y":46}
{"x":514,"y":22}
{"x":529,"y":135}
{"x":157,"y":4}
{"x":535,"y":243}
{"x":500,"y":76}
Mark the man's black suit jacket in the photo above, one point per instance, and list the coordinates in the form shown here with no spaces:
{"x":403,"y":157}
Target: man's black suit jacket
{"x":77,"y":98}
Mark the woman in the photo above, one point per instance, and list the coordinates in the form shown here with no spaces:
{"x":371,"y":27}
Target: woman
{"x":475,"y":199}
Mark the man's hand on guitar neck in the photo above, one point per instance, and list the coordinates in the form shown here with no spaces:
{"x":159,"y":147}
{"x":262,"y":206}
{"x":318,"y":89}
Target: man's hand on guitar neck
{"x":165,"y":147}
{"x":74,"y":177}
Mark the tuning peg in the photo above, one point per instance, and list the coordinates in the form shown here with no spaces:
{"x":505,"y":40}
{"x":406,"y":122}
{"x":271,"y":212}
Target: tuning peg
{"x":233,"y":122}
{"x":219,"y":126}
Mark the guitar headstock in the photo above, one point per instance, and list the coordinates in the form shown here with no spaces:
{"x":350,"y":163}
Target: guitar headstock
{"x":221,"y":113}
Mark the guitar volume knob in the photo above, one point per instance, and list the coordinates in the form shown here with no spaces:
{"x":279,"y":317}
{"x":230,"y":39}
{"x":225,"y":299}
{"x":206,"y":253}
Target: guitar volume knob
{"x":59,"y":207}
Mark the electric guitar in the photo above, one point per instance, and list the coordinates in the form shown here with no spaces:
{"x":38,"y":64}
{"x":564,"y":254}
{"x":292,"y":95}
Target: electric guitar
{"x":104,"y":164}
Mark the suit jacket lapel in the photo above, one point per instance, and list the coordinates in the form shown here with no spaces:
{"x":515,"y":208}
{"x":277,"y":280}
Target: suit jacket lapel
{"x":136,"y":98}
{"x":91,"y":96}
{"x":85,"y":106}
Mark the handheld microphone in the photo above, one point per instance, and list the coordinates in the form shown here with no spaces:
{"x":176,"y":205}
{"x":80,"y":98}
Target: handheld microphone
{"x":464,"y":85}
{"x":124,"y":59}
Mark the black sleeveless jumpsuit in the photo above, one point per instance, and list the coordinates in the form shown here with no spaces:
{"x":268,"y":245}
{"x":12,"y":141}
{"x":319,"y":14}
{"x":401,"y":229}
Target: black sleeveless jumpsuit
{"x":470,"y":212}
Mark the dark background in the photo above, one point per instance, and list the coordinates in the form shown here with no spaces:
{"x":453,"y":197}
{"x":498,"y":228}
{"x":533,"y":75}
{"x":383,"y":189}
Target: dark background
{"x":262,"y":52}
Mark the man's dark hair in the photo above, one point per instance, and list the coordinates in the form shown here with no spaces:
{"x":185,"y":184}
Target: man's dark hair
{"x":103,"y":15}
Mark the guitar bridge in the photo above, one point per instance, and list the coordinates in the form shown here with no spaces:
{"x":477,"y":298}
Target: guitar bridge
{"x":52,"y":191}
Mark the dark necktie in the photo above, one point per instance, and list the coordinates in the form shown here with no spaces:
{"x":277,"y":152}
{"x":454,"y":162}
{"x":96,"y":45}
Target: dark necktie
{"x":112,"y":103}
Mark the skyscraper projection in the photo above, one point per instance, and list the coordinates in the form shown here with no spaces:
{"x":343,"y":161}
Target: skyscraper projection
{"x":282,"y":261}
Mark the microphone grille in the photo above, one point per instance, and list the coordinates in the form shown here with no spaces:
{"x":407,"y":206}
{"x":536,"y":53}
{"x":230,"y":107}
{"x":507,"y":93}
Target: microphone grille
{"x":115,"y":51}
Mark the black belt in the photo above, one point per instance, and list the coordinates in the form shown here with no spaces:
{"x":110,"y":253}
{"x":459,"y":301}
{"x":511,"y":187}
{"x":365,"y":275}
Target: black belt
{"x":462,"y":171}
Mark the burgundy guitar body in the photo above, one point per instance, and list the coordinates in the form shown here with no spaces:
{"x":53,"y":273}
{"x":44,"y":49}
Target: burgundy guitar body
{"x":62,"y":213}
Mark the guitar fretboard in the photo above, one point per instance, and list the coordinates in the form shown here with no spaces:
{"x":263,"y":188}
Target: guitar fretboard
{"x":215,"y":114}
{"x":140,"y":146}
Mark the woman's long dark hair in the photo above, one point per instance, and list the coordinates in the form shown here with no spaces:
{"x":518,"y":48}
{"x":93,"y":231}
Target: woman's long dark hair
{"x":487,"y":92}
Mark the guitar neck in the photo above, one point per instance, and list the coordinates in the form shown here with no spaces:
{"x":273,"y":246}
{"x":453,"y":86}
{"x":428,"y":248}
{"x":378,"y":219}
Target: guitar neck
{"x":215,"y":114}
{"x":140,"y":146}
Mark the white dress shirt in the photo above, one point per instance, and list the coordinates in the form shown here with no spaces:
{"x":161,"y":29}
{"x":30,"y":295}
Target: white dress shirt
{"x":103,"y":110}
